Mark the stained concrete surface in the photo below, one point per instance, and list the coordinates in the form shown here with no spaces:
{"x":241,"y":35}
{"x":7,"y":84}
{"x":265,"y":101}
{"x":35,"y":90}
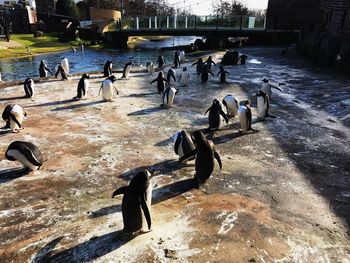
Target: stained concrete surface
{"x":283,"y":194}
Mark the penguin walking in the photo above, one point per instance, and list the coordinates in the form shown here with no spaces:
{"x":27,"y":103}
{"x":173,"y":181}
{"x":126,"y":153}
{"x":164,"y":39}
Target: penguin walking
{"x":222,"y":74}
{"x":126,"y":70}
{"x":205,"y":73}
{"x":183,"y":143}
{"x":29,"y":88}
{"x":231,"y":105}
{"x":107,"y":68}
{"x":14,"y":116}
{"x":245,"y":116}
{"x":65,"y":65}
{"x":266,"y":87}
{"x":136,"y":203}
{"x":60,"y":70}
{"x":263,"y":105}
{"x":242,"y":59}
{"x":161,"y":61}
{"x":160,"y":82}
{"x":83,"y":87}
{"x":171,"y":75}
{"x":209,"y":62}
{"x":150,"y":67}
{"x":214,"y":115}
{"x":205,"y":154}
{"x":26,"y":153}
{"x":177,"y":62}
{"x":184,"y":77}
{"x":199,"y":66}
{"x":43,"y":69}
{"x":107,"y":88}
{"x":168,"y":97}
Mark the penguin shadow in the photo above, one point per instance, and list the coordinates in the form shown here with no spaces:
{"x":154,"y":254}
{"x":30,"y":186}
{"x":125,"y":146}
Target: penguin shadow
{"x":141,"y":95}
{"x":90,"y":250}
{"x":53,"y":103}
{"x":14,"y":98}
{"x":228,"y":137}
{"x":146,"y":111}
{"x":165,"y":142}
{"x":266,"y":119}
{"x":80,"y":105}
{"x":8,"y":175}
{"x":200,"y":121}
{"x":105,"y":211}
{"x":3,"y":132}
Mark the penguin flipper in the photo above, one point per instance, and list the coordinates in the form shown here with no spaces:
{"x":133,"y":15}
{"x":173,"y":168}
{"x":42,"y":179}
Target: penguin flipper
{"x":13,"y":117}
{"x":145,"y":211}
{"x":30,"y":156}
{"x":119,"y":191}
{"x":217,"y":157}
{"x":99,"y":92}
{"x":188,"y":155}
{"x":177,"y":143}
{"x":207,"y":110}
{"x":223,"y":114}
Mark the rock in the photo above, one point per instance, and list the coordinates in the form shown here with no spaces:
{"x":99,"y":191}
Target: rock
{"x":38,"y":34}
{"x":199,"y":43}
{"x":230,"y":58}
{"x":170,"y":253}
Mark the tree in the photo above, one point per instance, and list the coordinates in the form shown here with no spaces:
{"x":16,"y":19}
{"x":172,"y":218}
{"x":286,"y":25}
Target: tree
{"x":67,"y":8}
{"x":227,"y":9}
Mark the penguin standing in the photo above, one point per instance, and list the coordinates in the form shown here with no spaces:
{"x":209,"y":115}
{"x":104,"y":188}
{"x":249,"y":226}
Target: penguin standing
{"x":26,"y":153}
{"x":107,"y":69}
{"x":242,"y":59}
{"x":205,"y":154}
{"x":161,"y":61}
{"x":214,"y":115}
{"x":199,"y":66}
{"x":266,"y":87}
{"x":14,"y":116}
{"x":263,"y":105}
{"x":65,"y":65}
{"x":107,"y":88}
{"x":83,"y":87}
{"x":204,"y":73}
{"x":209,"y":62}
{"x":168,"y":97}
{"x":43,"y":69}
{"x":231,"y":105}
{"x":29,"y":88}
{"x":150,"y":67}
{"x":184,"y":77}
{"x":126,"y":70}
{"x":160,"y":82}
{"x":171,"y":75}
{"x":245,"y":116}
{"x":177,"y":62}
{"x":60,"y":70}
{"x":222,"y":74}
{"x":183,"y":143}
{"x":182,"y":56}
{"x":136,"y":203}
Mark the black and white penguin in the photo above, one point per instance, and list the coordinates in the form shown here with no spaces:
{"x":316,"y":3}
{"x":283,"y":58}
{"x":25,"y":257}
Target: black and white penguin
{"x":29,"y":88}
{"x":184,"y":77}
{"x":205,"y":73}
{"x":242,"y":59}
{"x":107,"y":69}
{"x":245,"y":116}
{"x":60,"y":70}
{"x":168,"y":97}
{"x":266,"y":87}
{"x":160,"y":82}
{"x":177,"y":62}
{"x":150,"y":67}
{"x":136,"y":203}
{"x":161,"y":61}
{"x":263,"y":105}
{"x":231,"y":105}
{"x":222,"y":74}
{"x":205,"y":154}
{"x":108,"y":88}
{"x":83,"y":87}
{"x":199,"y":66}
{"x":14,"y":116}
{"x":183,"y":143}
{"x":126,"y":70}
{"x":209,"y":62}
{"x":214,"y":115}
{"x":182,"y":56}
{"x":26,"y":153}
{"x":171,"y":75}
{"x":65,"y":65}
{"x":43,"y":69}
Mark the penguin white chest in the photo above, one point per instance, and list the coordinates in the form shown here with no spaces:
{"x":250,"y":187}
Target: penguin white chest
{"x":65,"y":65}
{"x":184,"y":78}
{"x":86,"y":87}
{"x":242,"y":117}
{"x":168,"y":97}
{"x":22,"y":159}
{"x":262,"y":106}
{"x":18,"y":112}
{"x":107,"y":90}
{"x":231,"y":106}
{"x":31,"y":85}
{"x":266,"y":87}
{"x":148,"y":195}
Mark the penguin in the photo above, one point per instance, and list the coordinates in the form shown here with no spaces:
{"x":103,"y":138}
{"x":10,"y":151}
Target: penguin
{"x":222,"y":74}
{"x":182,"y":56}
{"x":65,"y":65}
{"x":160,"y":82}
{"x":29,"y":88}
{"x":231,"y":105}
{"x":60,"y":70}
{"x":199,"y":66}
{"x":242,"y":59}
{"x":205,"y":154}
{"x":126,"y":70}
{"x":209,"y":62}
{"x":171,"y":74}
{"x":184,"y":77}
{"x":284,"y":52}
{"x":168,"y":97}
{"x":183,"y":143}
{"x":204,"y":73}
{"x":263,"y":105}
{"x":107,"y":88}
{"x":26,"y":153}
{"x":177,"y":62}
{"x":245,"y":116}
{"x":266,"y":87}
{"x":214,"y":115}
{"x":136,"y":203}
{"x":43,"y":69}
{"x":161,"y":61}
{"x":107,"y":69}
{"x":150,"y":67}
{"x":14,"y":116}
{"x":83,"y":87}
